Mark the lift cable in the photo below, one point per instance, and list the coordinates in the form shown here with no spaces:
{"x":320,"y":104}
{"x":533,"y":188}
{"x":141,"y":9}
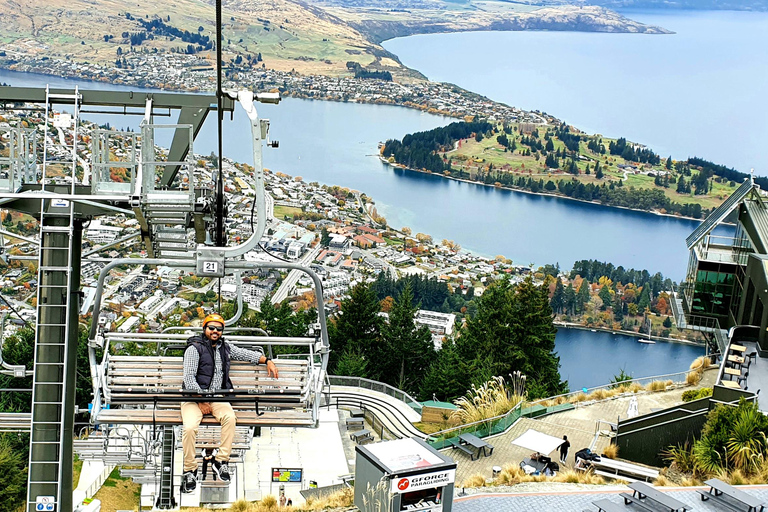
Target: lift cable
{"x":17,"y":313}
{"x":220,"y":242}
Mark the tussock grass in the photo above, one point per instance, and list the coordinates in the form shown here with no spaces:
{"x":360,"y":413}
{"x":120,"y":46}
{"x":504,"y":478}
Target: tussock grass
{"x":659,"y":385}
{"x":475,"y":481}
{"x":510,"y":475}
{"x":691,"y":482}
{"x":737,"y":478}
{"x":635,"y":387}
{"x":693,"y":378}
{"x":611,"y":451}
{"x":601,"y":394}
{"x":487,"y":401}
{"x":578,"y":477}
{"x":662,"y":481}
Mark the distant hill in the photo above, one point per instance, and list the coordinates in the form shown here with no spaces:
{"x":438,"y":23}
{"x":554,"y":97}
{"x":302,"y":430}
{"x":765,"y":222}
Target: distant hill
{"x":285,"y":34}
{"x":307,"y":36}
{"x":702,"y":5}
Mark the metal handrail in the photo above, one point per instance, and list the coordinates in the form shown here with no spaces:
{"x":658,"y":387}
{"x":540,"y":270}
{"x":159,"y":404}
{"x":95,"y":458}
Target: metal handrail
{"x":613,"y":385}
{"x":387,"y":389}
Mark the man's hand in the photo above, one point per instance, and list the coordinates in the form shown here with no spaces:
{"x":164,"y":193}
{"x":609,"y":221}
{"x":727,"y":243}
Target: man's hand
{"x":205,"y":408}
{"x":271,"y":369}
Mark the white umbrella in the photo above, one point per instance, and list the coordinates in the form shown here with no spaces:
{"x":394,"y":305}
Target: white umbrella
{"x":538,"y":441}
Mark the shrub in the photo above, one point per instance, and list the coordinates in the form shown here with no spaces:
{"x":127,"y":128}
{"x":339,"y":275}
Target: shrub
{"x":681,"y":456}
{"x":690,"y":395}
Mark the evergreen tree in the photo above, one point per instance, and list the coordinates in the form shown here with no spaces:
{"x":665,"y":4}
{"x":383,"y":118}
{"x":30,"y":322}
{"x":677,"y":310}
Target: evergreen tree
{"x":605,"y":295}
{"x":511,"y":331}
{"x":645,"y":298}
{"x":449,"y":376}
{"x":570,"y":300}
{"x":352,"y":364}
{"x":667,"y":323}
{"x":358,"y":327}
{"x":558,"y":297}
{"x":582,"y":298}
{"x":408,"y":348}
{"x":668,"y":165}
{"x":618,"y":308}
{"x":325,"y":238}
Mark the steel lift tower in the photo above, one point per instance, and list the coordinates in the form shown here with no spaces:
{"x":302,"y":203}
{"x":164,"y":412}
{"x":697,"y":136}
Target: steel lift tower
{"x":52,"y":180}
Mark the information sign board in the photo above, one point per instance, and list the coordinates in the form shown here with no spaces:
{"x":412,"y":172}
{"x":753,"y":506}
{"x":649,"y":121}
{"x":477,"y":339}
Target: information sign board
{"x":293,"y":475}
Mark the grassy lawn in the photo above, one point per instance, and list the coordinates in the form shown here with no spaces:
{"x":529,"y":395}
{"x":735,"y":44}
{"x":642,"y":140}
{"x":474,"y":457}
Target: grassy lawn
{"x":393,"y":241}
{"x":473,"y":156}
{"x":282,"y":211}
{"x":118,"y":493}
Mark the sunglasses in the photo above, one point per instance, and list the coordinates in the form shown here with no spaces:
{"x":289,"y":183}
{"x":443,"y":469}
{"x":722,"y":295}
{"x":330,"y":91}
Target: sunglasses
{"x":214,"y":328}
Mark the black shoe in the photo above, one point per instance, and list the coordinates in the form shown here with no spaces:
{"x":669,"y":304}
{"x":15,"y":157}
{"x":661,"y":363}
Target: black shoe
{"x":222,"y":470}
{"x":189,"y":481}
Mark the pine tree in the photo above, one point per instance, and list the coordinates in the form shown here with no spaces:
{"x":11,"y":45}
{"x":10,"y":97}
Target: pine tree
{"x":325,"y":238}
{"x":582,"y":298}
{"x":449,"y":375}
{"x":358,"y":327}
{"x":408,"y":348}
{"x":570,"y":300}
{"x":618,"y":308}
{"x":605,"y":295}
{"x":558,"y":297}
{"x":511,"y":331}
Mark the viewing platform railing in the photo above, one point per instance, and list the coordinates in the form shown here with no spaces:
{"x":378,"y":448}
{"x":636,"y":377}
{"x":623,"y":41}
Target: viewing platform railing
{"x":372,"y":385}
{"x":500,"y":424}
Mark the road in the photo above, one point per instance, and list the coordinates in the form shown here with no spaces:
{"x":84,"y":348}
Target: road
{"x":289,"y":283}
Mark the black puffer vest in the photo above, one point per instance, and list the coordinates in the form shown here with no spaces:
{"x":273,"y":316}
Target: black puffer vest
{"x":207,"y":363}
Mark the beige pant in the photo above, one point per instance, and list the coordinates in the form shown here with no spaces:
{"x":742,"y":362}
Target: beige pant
{"x":191,"y":416}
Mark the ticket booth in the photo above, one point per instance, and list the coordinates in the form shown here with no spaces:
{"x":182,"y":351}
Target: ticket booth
{"x":405,"y":475}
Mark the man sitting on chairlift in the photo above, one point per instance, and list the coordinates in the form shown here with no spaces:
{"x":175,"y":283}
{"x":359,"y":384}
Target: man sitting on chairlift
{"x":206,"y":368}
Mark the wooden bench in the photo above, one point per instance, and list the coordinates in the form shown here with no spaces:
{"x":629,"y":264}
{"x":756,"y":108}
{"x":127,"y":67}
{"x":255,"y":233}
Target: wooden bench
{"x":730,"y":384}
{"x":355,"y":422}
{"x":469,"y":450}
{"x":737,"y":499}
{"x":643,"y":494}
{"x":605,"y":505}
{"x":148,"y":390}
{"x":361,"y":435}
{"x":209,"y":436}
{"x":733,"y":372}
{"x":623,"y":470}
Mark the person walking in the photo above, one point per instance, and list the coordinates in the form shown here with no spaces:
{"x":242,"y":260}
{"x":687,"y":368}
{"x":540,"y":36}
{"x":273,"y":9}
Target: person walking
{"x":564,"y":449}
{"x":207,"y":360}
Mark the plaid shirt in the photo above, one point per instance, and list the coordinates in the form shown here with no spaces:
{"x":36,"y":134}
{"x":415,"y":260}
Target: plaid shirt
{"x":192,"y":360}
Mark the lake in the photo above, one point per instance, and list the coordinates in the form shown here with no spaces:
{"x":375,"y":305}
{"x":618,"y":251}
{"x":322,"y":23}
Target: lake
{"x":698,"y":92}
{"x":582,"y":365}
{"x":336,"y":144}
